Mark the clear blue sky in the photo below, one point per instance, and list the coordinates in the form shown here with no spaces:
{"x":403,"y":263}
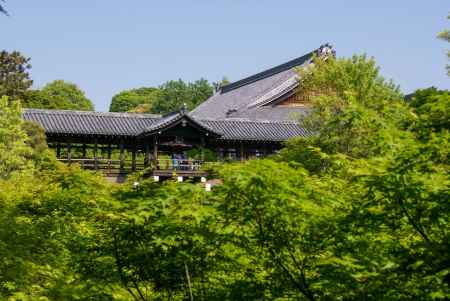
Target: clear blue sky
{"x":107,"y":46}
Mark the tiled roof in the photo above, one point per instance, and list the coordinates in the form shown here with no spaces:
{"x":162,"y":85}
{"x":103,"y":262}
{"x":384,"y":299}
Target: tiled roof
{"x":272,"y":113}
{"x":133,"y":125}
{"x":175,"y":118}
{"x":239,"y":111}
{"x":253,"y":92}
{"x":250,"y":130}
{"x":90,"y":123}
{"x":269,"y":72}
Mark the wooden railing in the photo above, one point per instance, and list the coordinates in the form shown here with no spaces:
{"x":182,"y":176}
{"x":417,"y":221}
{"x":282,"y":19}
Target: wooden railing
{"x":110,"y":166}
{"x":183,"y":164}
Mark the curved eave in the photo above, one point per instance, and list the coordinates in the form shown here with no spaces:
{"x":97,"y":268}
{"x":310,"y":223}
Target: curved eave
{"x":175,"y":121}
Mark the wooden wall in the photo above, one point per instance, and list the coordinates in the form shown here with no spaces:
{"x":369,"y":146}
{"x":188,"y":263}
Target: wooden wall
{"x":299,"y":99}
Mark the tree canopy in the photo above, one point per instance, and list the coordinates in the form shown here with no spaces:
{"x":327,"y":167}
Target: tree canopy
{"x":168,"y":97}
{"x":359,"y":210}
{"x":60,"y":94}
{"x":132,"y":99}
{"x":14,"y":76}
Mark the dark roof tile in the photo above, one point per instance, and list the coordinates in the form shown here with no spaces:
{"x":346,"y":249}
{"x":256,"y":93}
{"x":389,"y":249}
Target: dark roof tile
{"x":90,"y":123}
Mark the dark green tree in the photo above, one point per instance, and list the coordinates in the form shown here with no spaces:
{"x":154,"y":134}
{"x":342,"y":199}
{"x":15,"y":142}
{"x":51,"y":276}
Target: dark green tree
{"x":14,"y":77}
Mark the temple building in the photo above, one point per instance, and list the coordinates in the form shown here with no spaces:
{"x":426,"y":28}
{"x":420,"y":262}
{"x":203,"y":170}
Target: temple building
{"x":248,"y":118}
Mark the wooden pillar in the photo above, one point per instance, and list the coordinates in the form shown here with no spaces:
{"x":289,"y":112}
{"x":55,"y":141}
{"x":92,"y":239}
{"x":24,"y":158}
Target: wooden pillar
{"x":58,"y":151}
{"x":147,"y":155}
{"x":242,"y":153}
{"x":95,"y":155}
{"x":202,"y":154}
{"x":155,"y":150}
{"x":109,"y":151}
{"x":133,"y":158}
{"x":69,"y":152}
{"x":84,"y":151}
{"x":122,"y":156}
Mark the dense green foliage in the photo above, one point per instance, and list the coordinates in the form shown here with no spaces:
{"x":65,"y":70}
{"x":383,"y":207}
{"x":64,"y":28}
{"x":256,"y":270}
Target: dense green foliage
{"x":360,"y":210}
{"x":14,"y":76}
{"x":57,"y":95}
{"x":64,"y":95}
{"x":170,"y":96}
{"x":131,"y":99}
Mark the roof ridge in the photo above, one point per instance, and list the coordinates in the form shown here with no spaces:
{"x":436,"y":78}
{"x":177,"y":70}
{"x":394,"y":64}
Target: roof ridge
{"x":269,"y":72}
{"x":78,"y":112}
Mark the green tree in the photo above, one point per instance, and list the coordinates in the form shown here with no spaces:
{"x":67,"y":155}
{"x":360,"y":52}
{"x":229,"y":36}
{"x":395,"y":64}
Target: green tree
{"x":356,"y":110}
{"x":169,"y":97}
{"x":41,"y":213}
{"x":140,"y":99}
{"x":445,"y":35}
{"x":394,"y":177}
{"x":64,"y":95}
{"x":174,"y":94}
{"x":13,"y":148}
{"x":432,"y":107}
{"x":158,"y":242}
{"x":38,"y":99}
{"x":14,"y":76}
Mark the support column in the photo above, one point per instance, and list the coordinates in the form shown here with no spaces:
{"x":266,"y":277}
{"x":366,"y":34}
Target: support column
{"x":109,"y":151}
{"x":133,"y":159}
{"x":122,"y":156}
{"x":58,"y":151}
{"x":242,"y":153}
{"x":84,"y":151}
{"x":95,"y":155}
{"x":147,"y":155}
{"x":69,"y":152}
{"x":109,"y":158}
{"x":155,"y":151}
{"x":202,"y":154}
{"x":265,"y":151}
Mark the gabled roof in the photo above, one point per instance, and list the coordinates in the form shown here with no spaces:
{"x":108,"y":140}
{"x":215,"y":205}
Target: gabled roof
{"x":65,"y":122}
{"x":255,"y":91}
{"x":172,"y":120}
